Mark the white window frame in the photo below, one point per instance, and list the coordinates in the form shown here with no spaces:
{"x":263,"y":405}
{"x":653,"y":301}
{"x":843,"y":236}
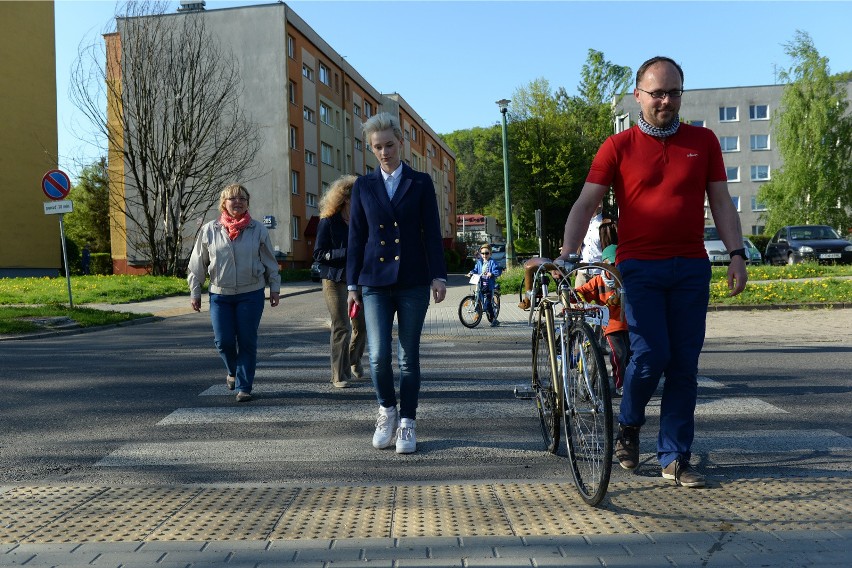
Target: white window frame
{"x":724,"y":143}
{"x":757,"y":206}
{"x":356,"y":109}
{"x":735,"y":170}
{"x":697,"y":123}
{"x":310,"y":200}
{"x":736,"y":201}
{"x":754,"y":112}
{"x":294,"y":224}
{"x":310,"y":158}
{"x":294,"y":182}
{"x":294,"y":137}
{"x":307,"y":72}
{"x":291,"y":92}
{"x":324,"y":75}
{"x":724,"y":114}
{"x":326,"y":152}
{"x":757,"y":169}
{"x":325,"y":114}
{"x":756,"y":139}
{"x":309,"y":115}
{"x":291,"y":47}
{"x":359,"y":145}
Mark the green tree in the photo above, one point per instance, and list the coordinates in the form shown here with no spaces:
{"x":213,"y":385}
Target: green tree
{"x":479,"y":169}
{"x":813,"y":133}
{"x":89,"y":222}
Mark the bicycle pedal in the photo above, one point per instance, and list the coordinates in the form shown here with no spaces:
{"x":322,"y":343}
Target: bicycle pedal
{"x":524,"y":393}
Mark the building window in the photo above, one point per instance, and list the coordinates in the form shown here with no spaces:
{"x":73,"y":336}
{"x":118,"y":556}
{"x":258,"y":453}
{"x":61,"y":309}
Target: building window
{"x":325,"y":154}
{"x":356,"y":109}
{"x":310,"y":157}
{"x":359,"y":145}
{"x":760,"y":141}
{"x":730,"y":143}
{"x":324,"y":75}
{"x":294,"y":182}
{"x":728,"y":114}
{"x":758,"y":112}
{"x":309,"y":115}
{"x":325,"y":114}
{"x":733,"y":173}
{"x":291,"y":92}
{"x":757,"y":206}
{"x":311,"y":200}
{"x":291,"y":47}
{"x":307,"y":72}
{"x":736,"y":200}
{"x":369,"y":169}
{"x":759,"y":173}
{"x":368,"y":109}
{"x":696,"y":122}
{"x":294,"y":223}
{"x":294,"y":137}
{"x":407,"y":135}
{"x":414,"y":134}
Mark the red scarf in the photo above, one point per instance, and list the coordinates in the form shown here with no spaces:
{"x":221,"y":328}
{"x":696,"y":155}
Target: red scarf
{"x":234,"y":226}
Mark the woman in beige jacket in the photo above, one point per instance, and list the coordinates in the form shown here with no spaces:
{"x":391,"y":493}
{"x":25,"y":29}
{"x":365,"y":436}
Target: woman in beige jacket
{"x":235,"y":250}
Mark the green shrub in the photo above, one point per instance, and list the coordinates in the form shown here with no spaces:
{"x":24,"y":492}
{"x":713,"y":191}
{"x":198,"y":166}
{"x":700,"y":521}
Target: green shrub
{"x":100,"y":263}
{"x":452,"y":259}
{"x":295,"y":274}
{"x":760,"y":241}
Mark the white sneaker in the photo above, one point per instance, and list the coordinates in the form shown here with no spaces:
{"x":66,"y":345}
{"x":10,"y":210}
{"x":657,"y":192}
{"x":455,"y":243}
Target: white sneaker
{"x":386,"y":424}
{"x":406,"y":441}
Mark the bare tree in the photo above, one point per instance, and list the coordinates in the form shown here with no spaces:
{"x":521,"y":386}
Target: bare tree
{"x":173,"y":122}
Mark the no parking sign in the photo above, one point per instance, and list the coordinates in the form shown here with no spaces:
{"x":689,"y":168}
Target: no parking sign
{"x":55,"y":184}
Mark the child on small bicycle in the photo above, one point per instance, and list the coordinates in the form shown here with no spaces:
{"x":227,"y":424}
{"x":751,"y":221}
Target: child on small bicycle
{"x":488,"y":271}
{"x":601,"y":290}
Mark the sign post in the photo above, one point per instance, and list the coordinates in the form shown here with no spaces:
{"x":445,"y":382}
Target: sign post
{"x":56,"y":185}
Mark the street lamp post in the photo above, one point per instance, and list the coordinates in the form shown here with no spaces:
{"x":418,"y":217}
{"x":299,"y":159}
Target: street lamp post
{"x":510,"y":249}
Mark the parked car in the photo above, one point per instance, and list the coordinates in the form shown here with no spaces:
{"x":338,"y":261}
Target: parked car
{"x":718,"y":254}
{"x":315,"y":272}
{"x":498,"y":254}
{"x":816,"y":243}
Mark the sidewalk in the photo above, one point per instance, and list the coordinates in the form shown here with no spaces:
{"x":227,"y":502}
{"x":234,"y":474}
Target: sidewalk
{"x":789,"y":521}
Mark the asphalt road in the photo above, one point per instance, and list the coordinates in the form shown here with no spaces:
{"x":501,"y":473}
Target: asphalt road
{"x":147,"y":404}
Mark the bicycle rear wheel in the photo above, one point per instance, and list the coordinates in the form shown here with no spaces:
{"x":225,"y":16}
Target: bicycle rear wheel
{"x":542,"y":382}
{"x":588,"y":416}
{"x":495,"y":301}
{"x":470,"y":311}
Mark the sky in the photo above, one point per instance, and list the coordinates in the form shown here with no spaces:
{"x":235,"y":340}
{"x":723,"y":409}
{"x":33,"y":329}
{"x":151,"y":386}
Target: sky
{"x":452,"y":60}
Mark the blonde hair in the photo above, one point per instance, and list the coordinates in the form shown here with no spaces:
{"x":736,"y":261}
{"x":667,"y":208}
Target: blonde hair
{"x":232,"y":190}
{"x":486,"y":247}
{"x":379,"y":123}
{"x":336,"y":195}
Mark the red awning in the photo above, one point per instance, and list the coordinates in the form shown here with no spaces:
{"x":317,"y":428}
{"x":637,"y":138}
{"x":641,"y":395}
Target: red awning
{"x":311,"y":229}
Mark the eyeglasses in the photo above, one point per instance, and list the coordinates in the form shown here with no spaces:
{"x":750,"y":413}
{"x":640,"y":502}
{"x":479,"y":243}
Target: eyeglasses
{"x":483,"y":253}
{"x":240,"y":198}
{"x":660,"y":95}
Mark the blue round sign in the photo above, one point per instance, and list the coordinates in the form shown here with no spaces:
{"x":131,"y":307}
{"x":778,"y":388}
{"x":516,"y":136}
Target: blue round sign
{"x":56,"y":184}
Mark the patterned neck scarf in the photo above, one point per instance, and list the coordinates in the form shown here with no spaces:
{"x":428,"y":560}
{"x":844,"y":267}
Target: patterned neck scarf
{"x":234,"y":226}
{"x":650,"y":130}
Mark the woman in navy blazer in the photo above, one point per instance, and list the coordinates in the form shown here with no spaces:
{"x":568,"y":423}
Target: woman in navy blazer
{"x":395,"y":257}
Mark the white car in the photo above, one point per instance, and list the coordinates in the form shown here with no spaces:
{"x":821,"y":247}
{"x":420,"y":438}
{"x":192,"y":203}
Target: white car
{"x":718,"y":254}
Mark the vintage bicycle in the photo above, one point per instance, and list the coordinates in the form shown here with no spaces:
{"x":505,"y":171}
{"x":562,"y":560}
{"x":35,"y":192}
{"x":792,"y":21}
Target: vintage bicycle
{"x":570,"y":382}
{"x":472,"y":306}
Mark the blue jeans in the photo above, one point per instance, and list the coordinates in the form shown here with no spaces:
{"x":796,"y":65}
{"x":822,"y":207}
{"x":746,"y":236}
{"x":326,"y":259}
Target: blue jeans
{"x":235,"y":320}
{"x":409,"y":304}
{"x":665,"y":303}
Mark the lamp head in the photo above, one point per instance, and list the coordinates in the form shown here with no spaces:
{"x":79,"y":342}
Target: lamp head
{"x":504,"y":105}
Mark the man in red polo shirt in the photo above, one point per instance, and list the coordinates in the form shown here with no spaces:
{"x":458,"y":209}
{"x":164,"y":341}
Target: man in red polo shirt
{"x":661,"y":171}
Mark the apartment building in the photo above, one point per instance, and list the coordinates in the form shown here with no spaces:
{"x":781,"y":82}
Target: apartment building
{"x":31,"y":244}
{"x":741,"y":118}
{"x":311,"y":104}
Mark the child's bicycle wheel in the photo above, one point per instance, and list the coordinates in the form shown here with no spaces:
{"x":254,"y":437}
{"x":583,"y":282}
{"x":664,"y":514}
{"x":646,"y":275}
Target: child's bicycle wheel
{"x":470,"y":311}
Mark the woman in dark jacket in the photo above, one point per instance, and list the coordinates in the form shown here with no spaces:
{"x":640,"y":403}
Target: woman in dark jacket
{"x":348,"y":337}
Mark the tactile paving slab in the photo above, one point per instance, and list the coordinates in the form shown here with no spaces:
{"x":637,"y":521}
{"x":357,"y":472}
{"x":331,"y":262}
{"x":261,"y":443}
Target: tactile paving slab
{"x":235,"y":513}
{"x":646,"y":505}
{"x":337,"y":512}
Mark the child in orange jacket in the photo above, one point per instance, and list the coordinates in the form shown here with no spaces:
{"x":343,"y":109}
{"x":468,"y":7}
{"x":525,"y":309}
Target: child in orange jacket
{"x":601,"y":290}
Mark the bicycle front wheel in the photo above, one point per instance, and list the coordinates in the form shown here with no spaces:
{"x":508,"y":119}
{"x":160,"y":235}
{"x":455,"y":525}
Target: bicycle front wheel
{"x":588,"y":415}
{"x":470,"y":311}
{"x":543,"y":382}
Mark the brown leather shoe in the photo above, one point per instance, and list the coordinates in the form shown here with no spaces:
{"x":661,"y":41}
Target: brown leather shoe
{"x":683,"y":474}
{"x":627,"y":446}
